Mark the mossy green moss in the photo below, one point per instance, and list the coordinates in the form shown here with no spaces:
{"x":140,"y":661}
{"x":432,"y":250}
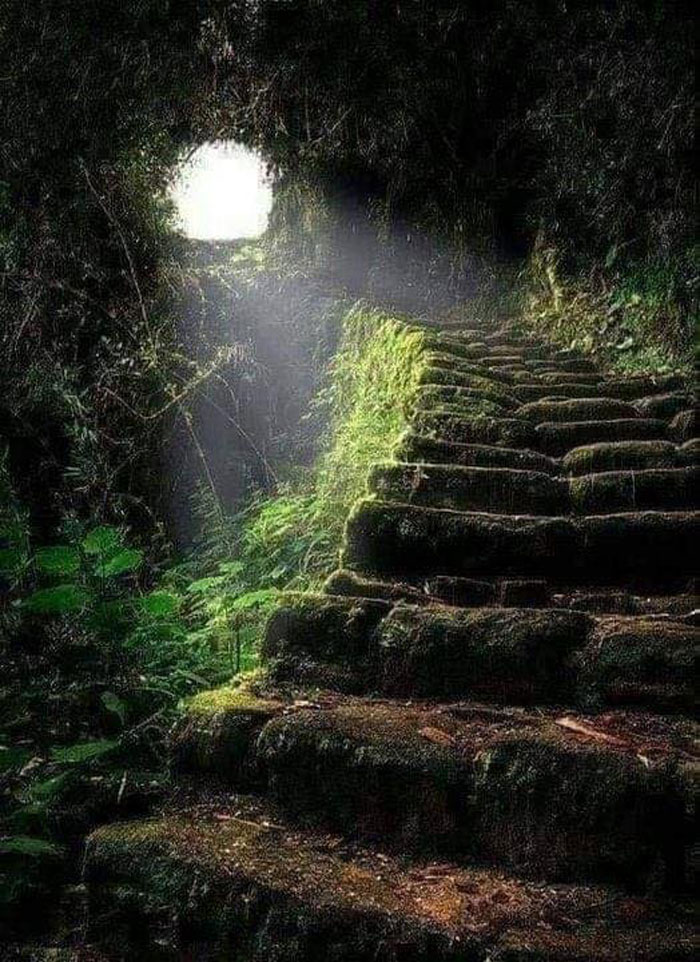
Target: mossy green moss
{"x":413,"y":447}
{"x":501,"y":490}
{"x":401,"y":539}
{"x":580,"y":409}
{"x":511,"y":655}
{"x":472,"y":401}
{"x":214,"y":735}
{"x":619,"y":456}
{"x":558,"y":438}
{"x":447,"y":425}
{"x":641,"y":661}
{"x":665,"y":489}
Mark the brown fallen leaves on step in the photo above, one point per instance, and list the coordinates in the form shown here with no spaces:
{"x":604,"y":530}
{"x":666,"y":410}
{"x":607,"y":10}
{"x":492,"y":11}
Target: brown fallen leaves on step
{"x":436,"y":735}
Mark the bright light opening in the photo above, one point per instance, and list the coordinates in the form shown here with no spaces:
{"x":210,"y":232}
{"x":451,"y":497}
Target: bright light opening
{"x":223,"y":193}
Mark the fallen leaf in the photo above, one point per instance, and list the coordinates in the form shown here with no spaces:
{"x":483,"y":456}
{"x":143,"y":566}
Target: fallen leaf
{"x":436,"y":735}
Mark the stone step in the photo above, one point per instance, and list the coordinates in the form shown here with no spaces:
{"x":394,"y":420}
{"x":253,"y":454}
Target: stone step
{"x":571,"y":377}
{"x":663,"y":406}
{"x":236,"y":881}
{"x":578,"y":409}
{"x":459,"y":427}
{"x":385,"y":538}
{"x":684,"y":426}
{"x":619,"y":602}
{"x":635,"y":388}
{"x":620,"y":456}
{"x":505,"y":786}
{"x":689,"y":452}
{"x":487,"y":387}
{"x":638,"y":390}
{"x":514,"y":593}
{"x":580,"y":365}
{"x":504,"y":490}
{"x":505,"y":655}
{"x":467,"y":400}
{"x":463,"y":366}
{"x":557,"y":390}
{"x":558,"y":438}
{"x":665,"y":489}
{"x":464,"y":592}
{"x":518,"y":491}
{"x":419,"y":447}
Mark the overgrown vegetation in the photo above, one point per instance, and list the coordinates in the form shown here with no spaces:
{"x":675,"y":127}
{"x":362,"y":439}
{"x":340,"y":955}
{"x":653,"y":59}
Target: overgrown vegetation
{"x":165,"y":471}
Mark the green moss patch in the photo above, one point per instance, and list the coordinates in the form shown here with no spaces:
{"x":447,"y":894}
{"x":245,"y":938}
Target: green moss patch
{"x":641,"y":661}
{"x":620,"y":456}
{"x":557,"y":438}
{"x":414,"y":447}
{"x":502,"y":490}
{"x":511,"y":655}
{"x":580,"y":409}
{"x":401,"y":539}
{"x":666,"y":489}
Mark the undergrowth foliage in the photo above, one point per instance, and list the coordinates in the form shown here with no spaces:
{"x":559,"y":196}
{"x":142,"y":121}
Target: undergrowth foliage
{"x":290,"y":538}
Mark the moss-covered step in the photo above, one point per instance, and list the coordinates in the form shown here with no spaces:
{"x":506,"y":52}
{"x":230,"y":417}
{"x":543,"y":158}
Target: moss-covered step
{"x":578,"y":409}
{"x":570,"y":377}
{"x":516,"y":655}
{"x":487,"y":386}
{"x":214,"y":734}
{"x":635,"y":388}
{"x":665,"y":406}
{"x":555,"y":390}
{"x":557,"y":438}
{"x":572,"y":365}
{"x":463,"y":592}
{"x":413,"y":447}
{"x":621,"y":456}
{"x":499,"y":654}
{"x":502,"y":785}
{"x":473,"y":400}
{"x":512,"y":593}
{"x":684,"y":426}
{"x":460,"y":365}
{"x":325,"y":640}
{"x":505,"y":655}
{"x":667,"y":489}
{"x":400,"y":539}
{"x":237,"y":883}
{"x":648,"y":661}
{"x":619,"y":602}
{"x":689,"y":452}
{"x":506,"y":432}
{"x":503,"y":490}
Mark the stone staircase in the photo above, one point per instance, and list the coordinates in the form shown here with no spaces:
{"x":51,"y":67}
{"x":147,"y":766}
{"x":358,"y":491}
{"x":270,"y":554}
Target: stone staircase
{"x":477,"y":743}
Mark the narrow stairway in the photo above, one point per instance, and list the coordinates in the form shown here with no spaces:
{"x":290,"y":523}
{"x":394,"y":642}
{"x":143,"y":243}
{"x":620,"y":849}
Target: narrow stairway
{"x":478,"y":743}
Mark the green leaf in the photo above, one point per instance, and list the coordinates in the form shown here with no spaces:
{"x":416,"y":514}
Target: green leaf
{"x":128,"y":559}
{"x":13,"y":757}
{"x":28,"y":845}
{"x":160,"y":604}
{"x":11,"y":560}
{"x":114,"y":704}
{"x":59,"y":600}
{"x":231,"y":567}
{"x":47,"y":789}
{"x":59,"y":560}
{"x":202,"y":585}
{"x":103,"y":540}
{"x":254,"y":599}
{"x":83,"y":751}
